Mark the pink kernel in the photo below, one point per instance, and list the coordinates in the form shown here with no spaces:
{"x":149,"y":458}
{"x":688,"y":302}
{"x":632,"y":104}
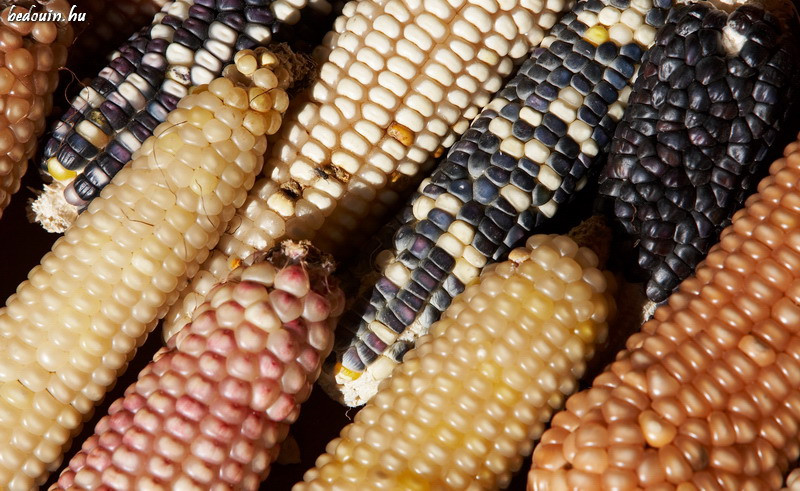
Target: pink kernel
{"x":110,"y":440}
{"x":293,"y":279}
{"x":217,"y":429}
{"x":283,"y":345}
{"x":252,"y":426}
{"x":194,"y":344}
{"x":180,"y":428}
{"x":137,"y":439}
{"x":243,"y":450}
{"x":282,"y":408}
{"x":190,"y":408}
{"x":230,"y":314}
{"x":235,"y":390}
{"x":183,"y":363}
{"x":199,"y":388}
{"x":229,"y":411}
{"x":269,"y":366}
{"x":212,"y":366}
{"x":316,"y":307}
{"x":232,"y":472}
{"x":320,"y":335}
{"x":265,"y":392}
{"x":222,"y":341}
{"x":120,"y":421}
{"x":286,"y":306}
{"x":205,"y":323}
{"x":243,"y":365}
{"x":99,"y":459}
{"x":308,"y":359}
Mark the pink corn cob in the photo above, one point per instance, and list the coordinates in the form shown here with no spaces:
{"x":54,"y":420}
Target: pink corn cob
{"x":213,"y":407}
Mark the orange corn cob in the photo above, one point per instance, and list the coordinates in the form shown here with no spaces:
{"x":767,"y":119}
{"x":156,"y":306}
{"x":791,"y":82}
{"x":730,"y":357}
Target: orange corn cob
{"x":707,"y":395}
{"x":212,"y":409}
{"x":31,"y":53}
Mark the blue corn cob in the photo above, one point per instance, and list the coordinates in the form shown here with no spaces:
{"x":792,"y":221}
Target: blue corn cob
{"x":525,"y":155}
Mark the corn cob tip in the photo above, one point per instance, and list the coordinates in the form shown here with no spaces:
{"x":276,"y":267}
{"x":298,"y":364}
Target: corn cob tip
{"x":595,"y":234}
{"x":51,"y":210}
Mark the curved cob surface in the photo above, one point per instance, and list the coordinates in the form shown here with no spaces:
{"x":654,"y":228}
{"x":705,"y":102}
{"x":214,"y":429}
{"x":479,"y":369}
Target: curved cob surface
{"x":212,"y":409}
{"x":31,"y":53}
{"x":402,"y":78}
{"x":188,"y":45}
{"x":711,"y":98}
{"x":528,"y":153}
{"x":77,"y":320}
{"x":706,"y":396}
{"x":465,"y":407}
{"x":107,"y":25}
{"x":793,"y":481}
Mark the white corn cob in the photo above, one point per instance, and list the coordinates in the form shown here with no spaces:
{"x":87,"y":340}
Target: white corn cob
{"x":72,"y":327}
{"x":402,"y":79}
{"x":273,"y":323}
{"x":466,"y":405}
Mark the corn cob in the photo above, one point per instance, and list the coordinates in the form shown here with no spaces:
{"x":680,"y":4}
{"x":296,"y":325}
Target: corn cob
{"x":402,"y":79}
{"x":474,"y":393}
{"x":706,"y":396}
{"x":31,"y":54}
{"x":522,"y":158}
{"x":712,"y":97}
{"x":113,"y":274}
{"x":189,"y":47}
{"x":108,"y":24}
{"x":274,"y":325}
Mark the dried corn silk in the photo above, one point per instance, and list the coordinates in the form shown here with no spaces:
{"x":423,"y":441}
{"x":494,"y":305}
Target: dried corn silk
{"x":527,"y":154}
{"x":470,"y":399}
{"x":238,"y":373}
{"x":187,"y":45}
{"x":401,"y":79}
{"x":113,"y":274}
{"x":712,"y":97}
{"x":31,"y":55}
{"x":705,"y":396}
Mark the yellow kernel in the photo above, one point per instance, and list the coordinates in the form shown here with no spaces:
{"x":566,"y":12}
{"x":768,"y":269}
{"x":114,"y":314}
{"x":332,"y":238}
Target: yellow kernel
{"x":596,"y":35}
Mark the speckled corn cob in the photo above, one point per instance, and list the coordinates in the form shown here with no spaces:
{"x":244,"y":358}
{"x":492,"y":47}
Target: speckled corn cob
{"x":108,"y":24}
{"x":31,"y":53}
{"x":528,"y":153}
{"x":188,"y":47}
{"x":711,"y":99}
{"x":212,"y":409}
{"x":465,"y":407}
{"x":73,"y":326}
{"x":706,"y":396}
{"x":403,"y":79}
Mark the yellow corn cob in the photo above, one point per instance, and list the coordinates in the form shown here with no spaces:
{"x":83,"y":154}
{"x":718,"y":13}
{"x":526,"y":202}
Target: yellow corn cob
{"x":31,"y":54}
{"x":73,"y":326}
{"x":467,"y":403}
{"x":273,"y":323}
{"x":402,"y":79}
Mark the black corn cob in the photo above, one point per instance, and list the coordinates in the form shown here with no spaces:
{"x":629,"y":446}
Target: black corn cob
{"x":188,"y":44}
{"x":711,"y":99}
{"x":523,"y":157}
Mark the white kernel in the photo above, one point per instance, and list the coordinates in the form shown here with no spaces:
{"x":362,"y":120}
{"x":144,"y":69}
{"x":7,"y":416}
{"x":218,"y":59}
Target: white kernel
{"x":370,"y":57}
{"x":433,"y":26}
{"x":505,"y":26}
{"x":388,"y":25}
{"x":608,"y":16}
{"x":645,"y":35}
{"x":381,"y":161}
{"x":369,"y":131}
{"x":587,"y":17}
{"x":498,"y":44}
{"x":579,"y":131}
{"x":537,"y":151}
{"x":548,"y":209}
{"x":459,"y":98}
{"x":513,"y":147}
{"x":396,"y":8}
{"x":397,"y":85}
{"x":379,"y":42}
{"x":449,"y":204}
{"x":410,"y":51}
{"x":420,"y":104}
{"x":345,"y":161}
{"x":315,"y":152}
{"x":219,"y":31}
{"x":439,"y":73}
{"x":589,"y":147}
{"x":339,"y":57}
{"x":431,"y":89}
{"x":571,"y":97}
{"x":562,"y":111}
{"x":631,"y":18}
{"x":346,"y":106}
{"x":530,"y":116}
{"x":361,"y":72}
{"x":380,"y":95}
{"x":410,"y":119}
{"x":500,"y":127}
{"x":478,"y":17}
{"x":449,"y":59}
{"x":376,"y":114}
{"x":401,"y":67}
{"x":620,"y":34}
{"x":549,"y":178}
{"x":353,"y":142}
{"x":518,"y":198}
{"x":324,"y":134}
{"x":418,"y":36}
{"x":330,"y":73}
{"x":450,"y":244}
{"x":467,"y":31}
{"x":351,"y":89}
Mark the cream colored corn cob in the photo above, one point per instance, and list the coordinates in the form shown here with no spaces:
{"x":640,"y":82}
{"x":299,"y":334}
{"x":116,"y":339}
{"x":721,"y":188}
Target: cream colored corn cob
{"x":467,"y":403}
{"x":31,"y":53}
{"x":402,"y":79}
{"x":207,"y":424}
{"x":72,"y":327}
